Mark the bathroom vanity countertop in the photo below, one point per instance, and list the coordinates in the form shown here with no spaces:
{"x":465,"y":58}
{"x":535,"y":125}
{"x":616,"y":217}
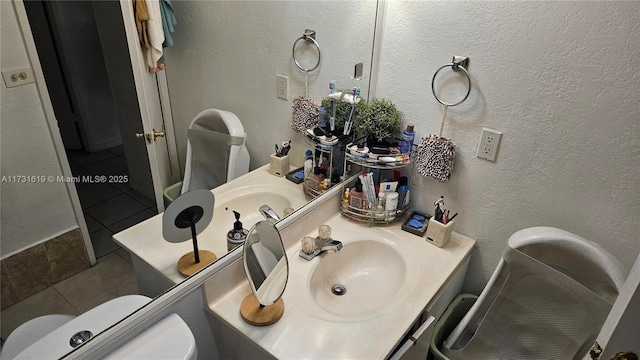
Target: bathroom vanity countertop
{"x":304,"y":333}
{"x":145,"y":240}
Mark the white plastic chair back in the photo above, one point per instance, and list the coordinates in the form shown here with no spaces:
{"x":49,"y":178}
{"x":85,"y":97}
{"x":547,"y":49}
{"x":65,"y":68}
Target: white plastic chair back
{"x":216,"y":151}
{"x":547,"y":299}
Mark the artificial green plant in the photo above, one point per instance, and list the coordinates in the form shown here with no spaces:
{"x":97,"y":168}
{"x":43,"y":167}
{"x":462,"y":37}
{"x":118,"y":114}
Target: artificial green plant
{"x":380,"y":119}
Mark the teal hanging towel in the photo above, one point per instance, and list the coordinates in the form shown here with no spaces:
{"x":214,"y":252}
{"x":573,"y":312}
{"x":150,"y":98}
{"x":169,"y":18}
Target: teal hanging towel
{"x":168,"y":22}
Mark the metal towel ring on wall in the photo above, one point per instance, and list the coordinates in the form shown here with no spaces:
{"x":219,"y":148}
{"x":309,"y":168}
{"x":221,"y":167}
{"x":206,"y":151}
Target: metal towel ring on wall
{"x":309,"y":35}
{"x":458,"y":63}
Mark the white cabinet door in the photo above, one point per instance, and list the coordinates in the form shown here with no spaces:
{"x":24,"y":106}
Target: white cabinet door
{"x":417,"y":345}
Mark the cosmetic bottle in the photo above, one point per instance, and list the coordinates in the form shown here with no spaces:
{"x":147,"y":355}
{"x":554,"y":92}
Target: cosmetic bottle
{"x":326,"y":184}
{"x":237,"y":235}
{"x":379,"y":212}
{"x":391,"y":205}
{"x":346,"y":197}
{"x":316,"y":179}
{"x":357,"y":198}
{"x":324,"y":163}
{"x":407,"y":139}
{"x":308,"y":164}
{"x":381,"y":199}
{"x":403,"y":192}
{"x":322,"y":117}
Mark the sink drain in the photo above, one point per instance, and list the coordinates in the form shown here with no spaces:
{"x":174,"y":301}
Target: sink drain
{"x":338,"y":289}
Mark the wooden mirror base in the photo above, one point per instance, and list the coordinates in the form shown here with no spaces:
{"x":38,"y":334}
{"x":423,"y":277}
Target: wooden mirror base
{"x":255,"y":315}
{"x":187,"y":264}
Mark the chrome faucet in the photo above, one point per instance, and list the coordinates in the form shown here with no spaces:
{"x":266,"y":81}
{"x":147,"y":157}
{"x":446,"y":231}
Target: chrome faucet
{"x":269,"y":214}
{"x":312,"y":247}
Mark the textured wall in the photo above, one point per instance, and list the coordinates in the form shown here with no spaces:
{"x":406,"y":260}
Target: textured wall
{"x":34,"y":212}
{"x":227,"y":55}
{"x":561,"y":81}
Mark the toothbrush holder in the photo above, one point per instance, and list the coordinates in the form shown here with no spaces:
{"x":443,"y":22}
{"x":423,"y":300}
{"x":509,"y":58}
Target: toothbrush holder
{"x":279,"y":166}
{"x":438,"y":233}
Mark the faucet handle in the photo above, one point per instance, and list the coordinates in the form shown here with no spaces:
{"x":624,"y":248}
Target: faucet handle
{"x":308,"y":245}
{"x":324,"y":232}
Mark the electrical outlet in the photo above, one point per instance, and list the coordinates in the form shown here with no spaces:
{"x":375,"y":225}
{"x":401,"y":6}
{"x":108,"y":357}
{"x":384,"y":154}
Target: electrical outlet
{"x":282,"y":90}
{"x":16,"y":77}
{"x":489,"y":143}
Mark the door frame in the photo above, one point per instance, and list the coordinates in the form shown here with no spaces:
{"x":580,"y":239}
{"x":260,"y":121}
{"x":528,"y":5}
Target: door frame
{"x":154,"y":97}
{"x":52,"y":124}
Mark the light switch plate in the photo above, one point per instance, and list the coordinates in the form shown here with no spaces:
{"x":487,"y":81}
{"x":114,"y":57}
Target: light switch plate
{"x":17,"y":76}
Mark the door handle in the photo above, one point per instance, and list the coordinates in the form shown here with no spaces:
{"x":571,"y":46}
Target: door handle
{"x":158,"y":133}
{"x":151,"y":137}
{"x":147,"y":137}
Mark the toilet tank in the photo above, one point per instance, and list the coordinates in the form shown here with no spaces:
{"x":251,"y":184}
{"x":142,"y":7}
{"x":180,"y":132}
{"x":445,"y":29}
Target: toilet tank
{"x":169,"y":338}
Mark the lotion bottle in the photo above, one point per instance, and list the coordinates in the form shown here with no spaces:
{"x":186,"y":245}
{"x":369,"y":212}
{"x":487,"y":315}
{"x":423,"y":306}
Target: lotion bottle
{"x":237,"y":235}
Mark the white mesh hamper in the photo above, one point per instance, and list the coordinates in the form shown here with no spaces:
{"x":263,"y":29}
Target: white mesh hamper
{"x":547,"y":299}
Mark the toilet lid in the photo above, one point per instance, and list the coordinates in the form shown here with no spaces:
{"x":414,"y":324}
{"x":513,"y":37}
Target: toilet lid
{"x":30,"y":332}
{"x":56,"y":344}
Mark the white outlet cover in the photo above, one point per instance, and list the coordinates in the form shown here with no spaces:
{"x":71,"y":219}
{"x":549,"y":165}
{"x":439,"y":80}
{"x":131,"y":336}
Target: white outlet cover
{"x":17,"y":76}
{"x":282,"y":87}
{"x":489,"y":144}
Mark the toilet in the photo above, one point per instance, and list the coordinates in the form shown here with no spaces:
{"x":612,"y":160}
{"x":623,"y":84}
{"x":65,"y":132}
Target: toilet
{"x":51,"y":336}
{"x":29,"y":332}
{"x":169,"y":338}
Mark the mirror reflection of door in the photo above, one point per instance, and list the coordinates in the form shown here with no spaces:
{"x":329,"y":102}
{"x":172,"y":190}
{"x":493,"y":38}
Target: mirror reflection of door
{"x":88,"y":74}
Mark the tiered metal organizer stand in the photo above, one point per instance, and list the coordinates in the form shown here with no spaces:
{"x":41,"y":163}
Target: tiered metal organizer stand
{"x":371,"y":216}
{"x":331,"y":151}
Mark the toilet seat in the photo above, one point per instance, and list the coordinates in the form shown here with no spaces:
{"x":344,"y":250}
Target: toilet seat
{"x":30,"y":332}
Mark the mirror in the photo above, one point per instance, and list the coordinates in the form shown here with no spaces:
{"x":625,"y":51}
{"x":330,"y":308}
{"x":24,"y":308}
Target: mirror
{"x":227,"y":55}
{"x":265,"y":263}
{"x":184,"y":219}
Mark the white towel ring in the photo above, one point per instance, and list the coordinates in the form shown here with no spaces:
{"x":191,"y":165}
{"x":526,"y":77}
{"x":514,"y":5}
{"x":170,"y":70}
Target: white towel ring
{"x":459,"y":63}
{"x":309,"y":35}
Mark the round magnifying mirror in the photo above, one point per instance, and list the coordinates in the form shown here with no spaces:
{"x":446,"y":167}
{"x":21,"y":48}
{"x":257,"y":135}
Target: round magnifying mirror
{"x":267,"y":269}
{"x":185,"y":218}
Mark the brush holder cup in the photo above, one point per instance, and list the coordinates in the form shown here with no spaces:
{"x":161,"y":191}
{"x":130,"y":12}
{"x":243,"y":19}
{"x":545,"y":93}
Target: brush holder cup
{"x":279,"y":166}
{"x":438,"y":233}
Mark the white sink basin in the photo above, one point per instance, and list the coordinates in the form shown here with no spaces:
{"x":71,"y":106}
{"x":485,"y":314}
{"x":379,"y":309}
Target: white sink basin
{"x":368,"y":275}
{"x":390,"y":277}
{"x":373,"y":267}
{"x":247,"y":201}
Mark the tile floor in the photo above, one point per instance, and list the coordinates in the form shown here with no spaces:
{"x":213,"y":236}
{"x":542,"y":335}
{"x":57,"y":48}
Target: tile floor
{"x":111,"y":277}
{"x":108,"y":209}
